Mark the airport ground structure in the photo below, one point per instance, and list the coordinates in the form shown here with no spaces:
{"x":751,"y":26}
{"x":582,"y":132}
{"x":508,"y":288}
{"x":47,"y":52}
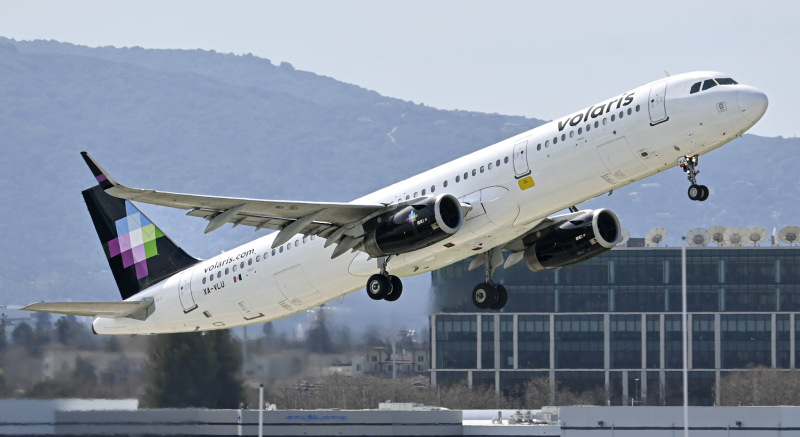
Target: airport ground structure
{"x":613,"y":323}
{"x":71,"y":417}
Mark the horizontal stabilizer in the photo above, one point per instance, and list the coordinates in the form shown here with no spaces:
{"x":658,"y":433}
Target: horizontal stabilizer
{"x":110,"y":310}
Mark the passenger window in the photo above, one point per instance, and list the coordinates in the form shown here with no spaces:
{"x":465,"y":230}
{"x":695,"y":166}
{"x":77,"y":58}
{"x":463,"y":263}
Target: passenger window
{"x":490,"y":166}
{"x":563,"y":137}
{"x":227,"y":270}
{"x":596,"y":123}
{"x":234,"y":267}
{"x":416,"y":194}
{"x":547,"y":144}
{"x":580,"y":130}
{"x":571,"y":134}
{"x":219,"y":274}
{"x":433,"y":188}
{"x":474,"y":172}
{"x":481,"y":169}
{"x":288,"y":246}
{"x":630,"y":111}
{"x":466,"y":175}
{"x":211,"y":278}
{"x":613,"y":117}
{"x":204,"y":279}
{"x":407,"y":197}
{"x":505,"y":160}
{"x":621,"y":113}
{"x":241,"y":265}
{"x":258,"y":258}
{"x":296,"y":243}
{"x":695,"y":88}
{"x":605,"y":121}
{"x":423,"y":192}
{"x":497,"y":164}
{"x":555,"y":140}
{"x":280,"y":249}
{"x":273,"y":252}
{"x":588,"y":127}
{"x":250,"y":261}
{"x":444,"y":184}
{"x":709,"y":83}
{"x":637,"y":108}
{"x":458,"y":179}
{"x":304,"y":239}
{"x":539,"y":146}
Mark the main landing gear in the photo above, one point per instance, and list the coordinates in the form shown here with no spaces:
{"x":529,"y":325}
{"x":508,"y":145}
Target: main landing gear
{"x":383,"y":285}
{"x":488,"y":295}
{"x":688,"y":163}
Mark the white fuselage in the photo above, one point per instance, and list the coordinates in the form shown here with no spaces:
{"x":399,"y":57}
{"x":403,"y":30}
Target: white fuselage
{"x":512,"y":186}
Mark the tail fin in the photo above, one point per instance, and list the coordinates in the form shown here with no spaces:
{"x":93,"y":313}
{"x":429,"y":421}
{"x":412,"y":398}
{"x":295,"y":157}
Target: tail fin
{"x":138,"y":253}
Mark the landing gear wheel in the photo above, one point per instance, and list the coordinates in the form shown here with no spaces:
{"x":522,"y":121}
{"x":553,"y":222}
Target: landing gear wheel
{"x":703,"y":196}
{"x":379,"y":286}
{"x":698,"y":192}
{"x":695,"y":192}
{"x":502,"y":298}
{"x":397,"y":289}
{"x":484,"y":295}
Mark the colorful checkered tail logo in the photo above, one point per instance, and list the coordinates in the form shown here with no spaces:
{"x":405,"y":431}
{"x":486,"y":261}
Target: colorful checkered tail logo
{"x":138,"y":253}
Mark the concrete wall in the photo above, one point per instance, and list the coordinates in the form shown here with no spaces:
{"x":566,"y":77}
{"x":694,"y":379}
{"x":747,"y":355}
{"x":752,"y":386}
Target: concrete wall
{"x":276,"y":423}
{"x":668,"y":421}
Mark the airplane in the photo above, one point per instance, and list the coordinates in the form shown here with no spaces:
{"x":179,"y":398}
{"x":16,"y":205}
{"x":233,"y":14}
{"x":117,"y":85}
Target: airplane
{"x":496,"y":205}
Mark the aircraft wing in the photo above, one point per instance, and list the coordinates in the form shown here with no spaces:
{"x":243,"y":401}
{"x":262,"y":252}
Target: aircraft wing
{"x":334,"y":221}
{"x":138,"y":310}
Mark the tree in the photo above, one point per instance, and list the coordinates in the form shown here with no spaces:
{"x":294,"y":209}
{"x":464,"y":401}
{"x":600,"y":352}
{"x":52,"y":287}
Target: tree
{"x":81,"y":382}
{"x":23,"y":336}
{"x":62,"y":330}
{"x":319,"y":336}
{"x":537,"y":392}
{"x":760,"y":386}
{"x":194,"y":370}
{"x":3,"y":335}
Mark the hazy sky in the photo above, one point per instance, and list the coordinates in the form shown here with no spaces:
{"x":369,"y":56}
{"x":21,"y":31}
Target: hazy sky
{"x":538,"y":59}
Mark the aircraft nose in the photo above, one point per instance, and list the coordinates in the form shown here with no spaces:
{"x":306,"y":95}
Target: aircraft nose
{"x":752,"y":103}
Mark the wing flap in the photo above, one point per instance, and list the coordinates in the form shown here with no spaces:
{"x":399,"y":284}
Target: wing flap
{"x":112,"y":310}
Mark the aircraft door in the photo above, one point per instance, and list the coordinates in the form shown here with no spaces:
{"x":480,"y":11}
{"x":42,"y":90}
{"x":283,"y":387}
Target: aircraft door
{"x":658,"y":103}
{"x":185,"y":292}
{"x":521,"y":168}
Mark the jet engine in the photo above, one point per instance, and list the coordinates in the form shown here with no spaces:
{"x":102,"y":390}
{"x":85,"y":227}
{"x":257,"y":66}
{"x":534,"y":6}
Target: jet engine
{"x":414,"y":226}
{"x":572,"y":241}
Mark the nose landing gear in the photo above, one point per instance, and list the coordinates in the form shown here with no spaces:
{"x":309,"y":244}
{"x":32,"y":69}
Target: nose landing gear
{"x":688,"y":164}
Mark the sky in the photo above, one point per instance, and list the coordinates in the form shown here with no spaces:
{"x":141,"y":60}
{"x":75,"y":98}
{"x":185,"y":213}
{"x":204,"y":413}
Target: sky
{"x":530,"y":58}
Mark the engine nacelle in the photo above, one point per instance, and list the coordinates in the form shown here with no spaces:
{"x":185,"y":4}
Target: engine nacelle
{"x":574,"y":241}
{"x":414,"y":226}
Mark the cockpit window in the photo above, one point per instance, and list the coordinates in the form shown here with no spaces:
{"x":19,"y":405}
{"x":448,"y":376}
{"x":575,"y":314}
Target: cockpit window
{"x":709,"y":83}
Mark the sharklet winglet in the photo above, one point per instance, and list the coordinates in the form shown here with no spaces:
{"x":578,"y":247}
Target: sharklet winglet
{"x":103,"y":178}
